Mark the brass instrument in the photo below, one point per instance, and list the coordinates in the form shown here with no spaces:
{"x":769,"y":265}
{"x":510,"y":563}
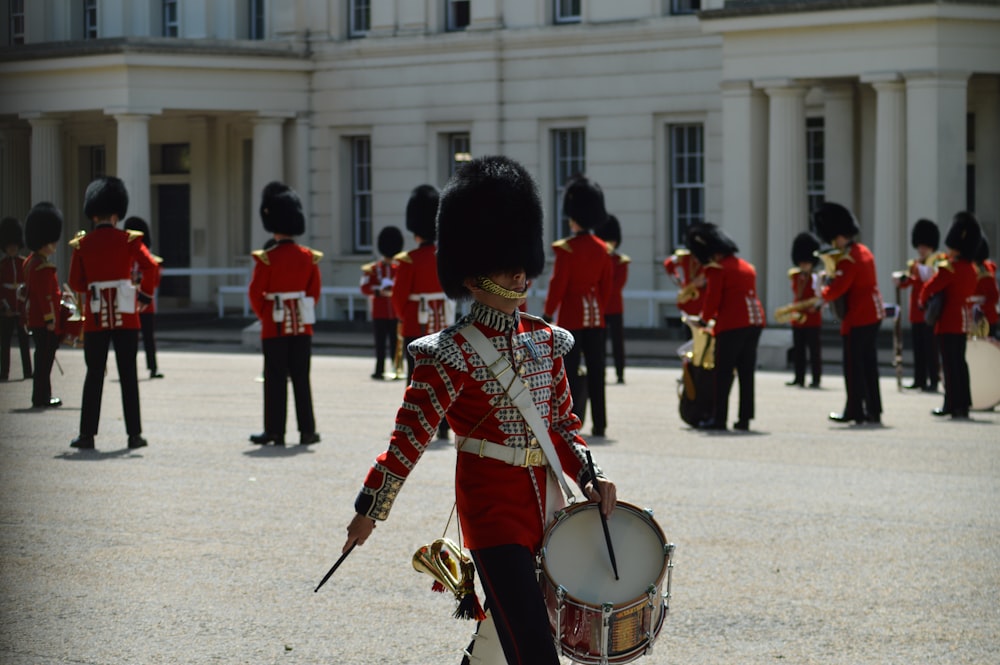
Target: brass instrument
{"x":796,"y":312}
{"x":702,"y":353}
{"x":452,"y":571}
{"x":830,"y":258}
{"x":687,"y":293}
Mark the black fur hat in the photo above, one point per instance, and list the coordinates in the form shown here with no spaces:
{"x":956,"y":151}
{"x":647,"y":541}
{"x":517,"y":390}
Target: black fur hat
{"x":139,"y":224}
{"x":11,"y":233}
{"x":832,"y":219}
{"x":982,"y":251}
{"x":804,"y":248}
{"x":489,"y":220}
{"x":610,"y":231}
{"x":964,"y":235}
{"x":42,"y":226}
{"x":705,"y":240}
{"x":421,"y":211}
{"x":281,"y":210}
{"x":105,"y":197}
{"x":925,"y":232}
{"x":583,"y":202}
{"x":390,"y":241}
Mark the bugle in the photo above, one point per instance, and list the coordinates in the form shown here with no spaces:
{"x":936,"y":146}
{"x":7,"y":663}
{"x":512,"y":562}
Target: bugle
{"x":830,"y":258}
{"x":796,"y":312}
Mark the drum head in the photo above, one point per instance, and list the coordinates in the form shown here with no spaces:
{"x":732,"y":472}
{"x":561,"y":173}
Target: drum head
{"x":576,"y":556}
{"x":983,"y":357}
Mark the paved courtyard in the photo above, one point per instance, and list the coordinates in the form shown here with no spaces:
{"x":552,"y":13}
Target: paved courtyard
{"x":800,"y":542}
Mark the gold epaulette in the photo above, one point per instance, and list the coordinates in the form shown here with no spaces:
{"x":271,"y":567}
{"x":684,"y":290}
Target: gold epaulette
{"x":713,"y":264}
{"x":682,"y":252}
{"x":368,"y":268}
{"x":792,"y":272}
{"x":944,"y":264}
{"x":911,"y":263}
{"x":404,"y":257}
{"x":624,"y":258}
{"x":261,"y":255}
{"x":562,"y":243}
{"x":133,"y":235}
{"x":316,"y":254}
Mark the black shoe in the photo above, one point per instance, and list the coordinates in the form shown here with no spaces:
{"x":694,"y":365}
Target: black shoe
{"x":306,"y":439}
{"x":264,"y":438}
{"x":742,"y":425}
{"x":153,"y":374}
{"x":83,"y":442}
{"x":930,"y":389}
{"x":54,"y":401}
{"x":915,"y":386}
{"x":795,"y":382}
{"x":443,"y":432}
{"x":378,"y":377}
{"x":597,"y":433}
{"x":711,"y":424}
{"x":814,"y":384}
{"x":843,"y":418}
{"x":875,"y":420}
{"x":136,"y":441}
{"x":621,"y":380}
{"x":941,"y":412}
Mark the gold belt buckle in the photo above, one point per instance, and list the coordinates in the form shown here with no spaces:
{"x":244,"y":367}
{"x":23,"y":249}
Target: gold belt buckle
{"x":533,"y":457}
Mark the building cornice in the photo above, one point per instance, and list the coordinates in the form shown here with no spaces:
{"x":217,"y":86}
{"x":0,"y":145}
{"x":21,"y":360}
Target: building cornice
{"x":154,"y":46}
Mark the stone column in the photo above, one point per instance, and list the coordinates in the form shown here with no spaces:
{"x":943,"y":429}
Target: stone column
{"x":838,"y":144}
{"x":787,"y":202}
{"x":268,"y":165}
{"x":46,"y":160}
{"x":15,"y":195}
{"x":133,"y":162}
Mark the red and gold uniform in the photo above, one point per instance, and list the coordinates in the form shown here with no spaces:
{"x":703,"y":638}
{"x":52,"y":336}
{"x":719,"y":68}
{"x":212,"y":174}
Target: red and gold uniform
{"x":12,"y":314}
{"x":926,"y":367}
{"x":43,"y":300}
{"x":377,"y":279}
{"x":986,"y":288}
{"x":688,"y":273}
{"x":147,"y":321}
{"x":806,"y":326}
{"x":417,"y":296}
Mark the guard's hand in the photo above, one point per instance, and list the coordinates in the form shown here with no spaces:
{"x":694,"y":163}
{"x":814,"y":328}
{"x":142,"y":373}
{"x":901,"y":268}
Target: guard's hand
{"x":358,"y":531}
{"x":606,"y":493}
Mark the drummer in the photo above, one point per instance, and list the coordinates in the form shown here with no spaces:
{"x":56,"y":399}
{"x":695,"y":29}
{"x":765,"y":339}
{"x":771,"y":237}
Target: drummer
{"x":489,"y":227}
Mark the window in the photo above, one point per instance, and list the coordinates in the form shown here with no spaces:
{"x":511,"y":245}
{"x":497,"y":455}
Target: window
{"x":569,"y":158}
{"x":16,"y":22}
{"x":687,"y":179}
{"x":567,"y":11}
{"x":815,"y":178}
{"x":360,"y":17}
{"x":684,"y":6}
{"x":175,"y":158}
{"x":256,"y":27}
{"x":171,"y":21}
{"x":361,"y":193}
{"x":458,"y":151}
{"x":96,"y":162}
{"x":90,"y":19}
{"x":458,"y":14}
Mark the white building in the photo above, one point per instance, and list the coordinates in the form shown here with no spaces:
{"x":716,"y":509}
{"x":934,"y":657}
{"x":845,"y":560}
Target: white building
{"x":744,"y":113}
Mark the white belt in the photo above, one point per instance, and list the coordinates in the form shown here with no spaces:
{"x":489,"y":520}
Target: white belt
{"x":109,"y":284}
{"x":509,"y":454}
{"x":416,"y":297}
{"x":287,"y":295}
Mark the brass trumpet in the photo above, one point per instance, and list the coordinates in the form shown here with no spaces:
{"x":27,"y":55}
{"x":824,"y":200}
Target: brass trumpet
{"x":796,"y":312}
{"x":453,"y":571}
{"x":830,"y":258}
{"x":687,"y":293}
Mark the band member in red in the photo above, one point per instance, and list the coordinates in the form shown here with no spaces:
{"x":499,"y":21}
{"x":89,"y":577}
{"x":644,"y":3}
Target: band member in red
{"x":147,"y":317}
{"x":733,"y":312}
{"x":11,"y":301}
{"x":578,"y":295}
{"x":854,"y":280}
{"x":490,"y":233}
{"x":986,"y":286}
{"x":283,"y":292}
{"x":42,"y":229}
{"x":955,"y":282}
{"x":611,"y":233}
{"x":807,"y":322}
{"x":925,"y":238}
{"x":101,"y":271}
{"x":376,"y":283}
{"x":688,"y":274}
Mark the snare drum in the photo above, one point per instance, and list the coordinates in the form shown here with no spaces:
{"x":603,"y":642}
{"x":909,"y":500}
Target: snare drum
{"x":595,"y":618}
{"x":983,"y":358}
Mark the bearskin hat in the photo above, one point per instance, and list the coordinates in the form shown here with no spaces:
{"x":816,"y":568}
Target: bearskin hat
{"x":583,"y":202}
{"x":42,"y":226}
{"x":11,"y":233}
{"x":390,"y":241}
{"x":139,"y":224}
{"x":421,"y":211}
{"x":489,"y":221}
{"x":610,"y":231}
{"x":105,"y":197}
{"x":705,"y":240}
{"x":964,"y":234}
{"x":804,"y":248}
{"x":832,"y":219}
{"x":982,"y":251}
{"x":925,"y":232}
{"x":281,"y":210}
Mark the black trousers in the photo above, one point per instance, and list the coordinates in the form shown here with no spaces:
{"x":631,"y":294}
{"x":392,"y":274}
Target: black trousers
{"x":46,"y":343}
{"x":957,"y":393}
{"x":9,"y":325}
{"x":148,"y":326}
{"x":925,"y":356}
{"x":287,"y":357}
{"x":806,"y":341}
{"x":95,"y":353}
{"x":385,"y":342}
{"x":735,"y":354}
{"x":514,"y":598}
{"x":864,"y":398}
{"x":614,"y":324}
{"x":589,"y":344}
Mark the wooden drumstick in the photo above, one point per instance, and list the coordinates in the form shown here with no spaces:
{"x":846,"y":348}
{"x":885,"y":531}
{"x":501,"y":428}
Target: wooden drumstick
{"x":604,"y":520}
{"x":335,"y":566}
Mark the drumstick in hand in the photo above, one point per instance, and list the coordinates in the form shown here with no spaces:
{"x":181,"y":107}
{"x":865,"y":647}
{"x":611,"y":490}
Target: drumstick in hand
{"x":604,"y":520}
{"x":335,"y":566}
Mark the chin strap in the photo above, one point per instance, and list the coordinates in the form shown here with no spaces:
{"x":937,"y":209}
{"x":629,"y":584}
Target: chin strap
{"x":488,"y":285}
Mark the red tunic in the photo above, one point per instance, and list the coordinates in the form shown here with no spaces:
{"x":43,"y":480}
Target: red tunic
{"x":496,"y":501}
{"x":581,"y":282}
{"x":619,"y":276}
{"x":41,"y":284}
{"x":986,"y":286}
{"x":416,"y":289}
{"x":376,"y":279}
{"x":685,"y":269}
{"x":855,"y":278}
{"x":731,"y":295}
{"x":11,"y":277}
{"x":102,"y":266}
{"x":284,"y":272}
{"x":137,"y":277}
{"x":917,"y":274}
{"x":804,"y":288}
{"x":956,"y":278}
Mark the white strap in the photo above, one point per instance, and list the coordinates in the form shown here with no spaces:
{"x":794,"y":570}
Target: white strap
{"x":286,"y":295}
{"x":428,"y":297}
{"x":520,"y":396}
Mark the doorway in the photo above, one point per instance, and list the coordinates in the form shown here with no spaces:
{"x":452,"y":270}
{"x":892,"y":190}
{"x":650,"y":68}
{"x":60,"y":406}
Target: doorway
{"x":173,"y":240}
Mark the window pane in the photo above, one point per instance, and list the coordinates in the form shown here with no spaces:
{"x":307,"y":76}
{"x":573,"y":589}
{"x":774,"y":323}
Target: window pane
{"x":360,"y":17}
{"x":569,"y":159}
{"x":687,"y":187}
{"x":361,"y":195}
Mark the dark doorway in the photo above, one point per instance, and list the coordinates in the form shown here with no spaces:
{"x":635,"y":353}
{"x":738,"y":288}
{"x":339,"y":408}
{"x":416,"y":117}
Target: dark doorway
{"x":173,"y":239}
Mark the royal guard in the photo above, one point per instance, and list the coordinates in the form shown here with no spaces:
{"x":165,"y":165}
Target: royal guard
{"x":925,"y":238}
{"x":611,"y":233}
{"x":688,"y":274}
{"x":11,"y":298}
{"x":42,"y":229}
{"x":986,"y":286}
{"x":376,"y":282}
{"x":954,"y":283}
{"x":806,"y":321}
{"x":147,"y":317}
{"x":578,"y":295}
{"x":101,"y":272}
{"x":283,"y":291}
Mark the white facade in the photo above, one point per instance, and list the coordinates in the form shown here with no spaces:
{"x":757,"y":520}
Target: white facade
{"x":718,"y":116}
